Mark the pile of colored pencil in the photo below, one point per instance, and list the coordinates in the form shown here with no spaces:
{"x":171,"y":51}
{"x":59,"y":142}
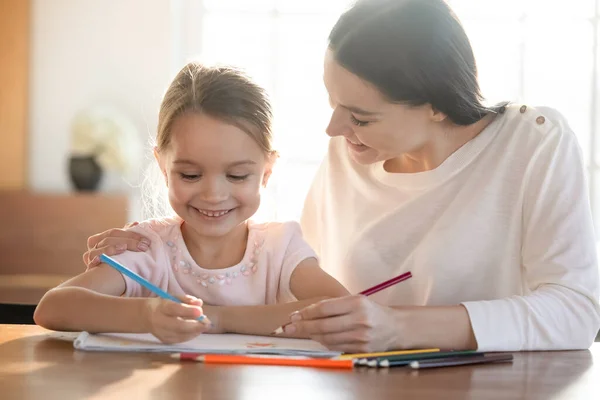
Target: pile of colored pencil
{"x":415,"y":359}
{"x":429,"y":359}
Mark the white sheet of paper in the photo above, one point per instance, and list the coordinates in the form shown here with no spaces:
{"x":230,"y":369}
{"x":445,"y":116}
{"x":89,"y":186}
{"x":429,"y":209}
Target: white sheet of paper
{"x":205,"y":343}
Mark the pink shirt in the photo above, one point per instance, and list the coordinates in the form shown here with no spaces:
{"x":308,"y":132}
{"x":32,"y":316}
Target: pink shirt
{"x":262,"y":277}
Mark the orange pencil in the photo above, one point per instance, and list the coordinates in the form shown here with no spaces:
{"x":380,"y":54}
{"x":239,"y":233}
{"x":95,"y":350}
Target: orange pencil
{"x":266,"y":360}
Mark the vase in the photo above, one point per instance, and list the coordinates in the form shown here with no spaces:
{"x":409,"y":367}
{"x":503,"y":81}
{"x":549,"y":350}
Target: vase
{"x":85,"y":173}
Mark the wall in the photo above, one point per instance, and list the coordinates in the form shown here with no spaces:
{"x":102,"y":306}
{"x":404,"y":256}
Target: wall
{"x":93,"y":52}
{"x":14,"y":66}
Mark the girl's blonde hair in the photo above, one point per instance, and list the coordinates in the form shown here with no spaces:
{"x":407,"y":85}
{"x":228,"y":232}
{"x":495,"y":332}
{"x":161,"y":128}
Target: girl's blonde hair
{"x":221,"y":92}
{"x":224,"y":93}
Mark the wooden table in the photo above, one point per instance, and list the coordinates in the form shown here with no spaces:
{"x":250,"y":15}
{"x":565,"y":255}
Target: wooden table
{"x":36,"y":366}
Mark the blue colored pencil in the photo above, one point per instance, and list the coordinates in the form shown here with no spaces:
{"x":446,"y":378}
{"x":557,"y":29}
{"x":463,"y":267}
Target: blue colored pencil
{"x":129,"y":273}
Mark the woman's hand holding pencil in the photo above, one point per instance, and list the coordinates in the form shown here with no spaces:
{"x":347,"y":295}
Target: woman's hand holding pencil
{"x":349,"y":324}
{"x":352,"y":324}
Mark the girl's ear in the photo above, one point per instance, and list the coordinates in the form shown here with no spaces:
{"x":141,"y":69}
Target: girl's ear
{"x":267,"y":175}
{"x":269,"y":168}
{"x":160,"y":164}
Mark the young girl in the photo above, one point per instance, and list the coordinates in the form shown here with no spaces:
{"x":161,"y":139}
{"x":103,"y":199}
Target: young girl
{"x":214,"y":148}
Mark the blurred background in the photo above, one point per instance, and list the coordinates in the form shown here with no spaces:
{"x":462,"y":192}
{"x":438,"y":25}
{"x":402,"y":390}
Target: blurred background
{"x":78,"y":74}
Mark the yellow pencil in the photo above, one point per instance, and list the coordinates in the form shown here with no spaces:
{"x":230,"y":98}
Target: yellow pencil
{"x":387,"y":353}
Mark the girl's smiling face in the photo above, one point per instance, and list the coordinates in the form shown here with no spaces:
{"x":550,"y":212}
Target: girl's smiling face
{"x":214,"y":172}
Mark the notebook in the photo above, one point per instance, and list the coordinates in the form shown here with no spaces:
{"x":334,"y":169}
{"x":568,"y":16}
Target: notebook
{"x":205,"y":344}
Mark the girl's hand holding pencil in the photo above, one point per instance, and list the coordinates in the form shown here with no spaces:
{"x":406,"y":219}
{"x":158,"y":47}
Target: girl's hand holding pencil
{"x":173,"y":322}
{"x":170,"y":319}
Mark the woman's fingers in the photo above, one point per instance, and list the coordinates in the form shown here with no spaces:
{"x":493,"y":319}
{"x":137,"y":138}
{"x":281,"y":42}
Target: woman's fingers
{"x":115,"y":232}
{"x":326,"y":316}
{"x":348,"y":324}
{"x":133,"y":240}
{"x":92,"y":257}
{"x":320,"y":326}
{"x":328,"y":308}
{"x":113,"y":236}
{"x":358,"y":338}
{"x":112,"y":242}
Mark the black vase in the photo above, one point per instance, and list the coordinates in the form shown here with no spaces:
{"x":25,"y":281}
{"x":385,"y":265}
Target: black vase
{"x":85,"y":173}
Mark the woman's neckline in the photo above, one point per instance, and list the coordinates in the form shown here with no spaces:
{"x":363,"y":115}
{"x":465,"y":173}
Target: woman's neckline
{"x":450,"y":166}
{"x":468,"y":133}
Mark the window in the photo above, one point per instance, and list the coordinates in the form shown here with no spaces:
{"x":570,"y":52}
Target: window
{"x":281,"y":43}
{"x":541,"y":52}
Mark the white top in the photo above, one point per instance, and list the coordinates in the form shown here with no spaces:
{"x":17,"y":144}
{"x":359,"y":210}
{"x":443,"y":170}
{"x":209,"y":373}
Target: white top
{"x":503,"y":226}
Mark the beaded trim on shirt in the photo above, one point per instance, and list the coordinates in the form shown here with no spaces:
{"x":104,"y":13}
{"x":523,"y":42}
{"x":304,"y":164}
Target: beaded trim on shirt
{"x":205,"y":279}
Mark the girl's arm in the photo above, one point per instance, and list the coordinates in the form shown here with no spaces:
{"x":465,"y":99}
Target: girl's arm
{"x":308,"y":283}
{"x":90,"y":302}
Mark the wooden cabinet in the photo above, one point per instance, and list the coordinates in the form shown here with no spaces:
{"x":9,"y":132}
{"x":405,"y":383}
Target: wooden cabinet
{"x":14,"y":86}
{"x":43,"y":237}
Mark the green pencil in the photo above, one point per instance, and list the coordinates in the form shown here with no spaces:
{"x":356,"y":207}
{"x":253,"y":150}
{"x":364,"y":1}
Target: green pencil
{"x":384,"y":361}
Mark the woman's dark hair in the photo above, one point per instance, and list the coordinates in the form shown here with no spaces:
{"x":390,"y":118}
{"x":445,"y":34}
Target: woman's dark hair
{"x":415,"y":52}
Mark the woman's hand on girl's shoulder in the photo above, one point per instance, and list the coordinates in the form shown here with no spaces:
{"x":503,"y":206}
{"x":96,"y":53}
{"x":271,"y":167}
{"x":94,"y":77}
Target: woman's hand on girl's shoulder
{"x":351,"y":324}
{"x":113,"y":241}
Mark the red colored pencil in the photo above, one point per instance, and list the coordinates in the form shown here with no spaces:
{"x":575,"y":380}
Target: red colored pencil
{"x":386,"y":284}
{"x":267,"y":360}
{"x":367,"y":292}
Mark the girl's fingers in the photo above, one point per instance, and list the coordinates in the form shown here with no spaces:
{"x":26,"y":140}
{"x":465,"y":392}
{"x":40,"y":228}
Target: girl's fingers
{"x":190,"y":326}
{"x":181,"y":310}
{"x":173,"y":337}
{"x":188,"y":299}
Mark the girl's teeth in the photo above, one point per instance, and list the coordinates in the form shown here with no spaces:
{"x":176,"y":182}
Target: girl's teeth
{"x":213,"y":214}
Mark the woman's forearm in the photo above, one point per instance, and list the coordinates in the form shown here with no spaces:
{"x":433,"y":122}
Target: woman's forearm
{"x":79,"y":309}
{"x":255,"y":320}
{"x":444,"y":327}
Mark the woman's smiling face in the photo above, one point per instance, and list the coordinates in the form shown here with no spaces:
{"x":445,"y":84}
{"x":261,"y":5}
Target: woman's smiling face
{"x":374,"y":128}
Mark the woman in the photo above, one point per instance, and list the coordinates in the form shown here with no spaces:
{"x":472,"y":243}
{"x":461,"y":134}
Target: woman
{"x":486,"y":206}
